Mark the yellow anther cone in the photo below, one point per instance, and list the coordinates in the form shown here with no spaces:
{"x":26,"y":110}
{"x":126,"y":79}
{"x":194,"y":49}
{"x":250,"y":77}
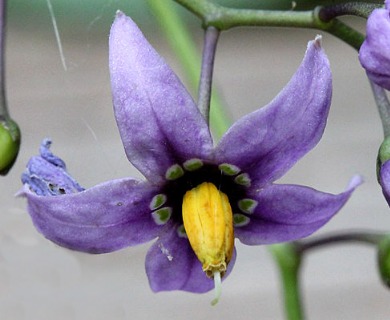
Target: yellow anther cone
{"x":208,"y":221}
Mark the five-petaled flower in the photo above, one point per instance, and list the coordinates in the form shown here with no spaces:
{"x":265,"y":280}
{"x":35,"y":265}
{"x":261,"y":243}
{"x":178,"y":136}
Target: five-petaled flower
{"x":374,"y":54}
{"x":196,"y":195}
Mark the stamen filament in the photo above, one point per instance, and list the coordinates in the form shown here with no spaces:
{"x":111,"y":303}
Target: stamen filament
{"x":217,"y":287}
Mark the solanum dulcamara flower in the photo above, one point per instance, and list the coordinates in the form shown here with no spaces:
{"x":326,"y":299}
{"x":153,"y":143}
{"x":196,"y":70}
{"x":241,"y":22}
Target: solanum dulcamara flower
{"x":374,"y":54}
{"x":197,"y":197}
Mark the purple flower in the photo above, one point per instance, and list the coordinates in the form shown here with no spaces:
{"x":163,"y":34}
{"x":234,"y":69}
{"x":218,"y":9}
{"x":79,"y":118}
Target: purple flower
{"x":374,"y":54}
{"x":166,"y":138}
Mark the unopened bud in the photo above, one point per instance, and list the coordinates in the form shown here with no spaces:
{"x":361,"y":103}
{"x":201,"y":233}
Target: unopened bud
{"x":9,"y":144}
{"x":383,"y":154}
{"x":384,"y":260}
{"x":383,"y":168}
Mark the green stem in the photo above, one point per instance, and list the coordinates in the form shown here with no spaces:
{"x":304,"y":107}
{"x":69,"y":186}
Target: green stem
{"x":383,"y":105}
{"x":224,"y":18}
{"x":181,"y":42}
{"x":9,"y":130}
{"x":367,"y":237}
{"x":344,"y":32}
{"x":288,"y":257}
{"x":289,"y":262}
{"x":339,"y":29}
{"x":359,"y":9}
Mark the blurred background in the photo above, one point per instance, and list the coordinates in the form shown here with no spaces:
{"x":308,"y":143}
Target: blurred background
{"x":39,"y":280}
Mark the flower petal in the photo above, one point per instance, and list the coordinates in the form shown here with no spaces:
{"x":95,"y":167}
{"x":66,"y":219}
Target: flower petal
{"x":105,"y":218}
{"x":267,"y":142}
{"x":290,"y":212}
{"x":171,"y":264}
{"x":157,"y":118}
{"x":46,"y":174}
{"x":374,"y":54}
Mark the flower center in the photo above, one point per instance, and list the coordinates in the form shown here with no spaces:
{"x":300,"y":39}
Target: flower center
{"x":208,"y":222}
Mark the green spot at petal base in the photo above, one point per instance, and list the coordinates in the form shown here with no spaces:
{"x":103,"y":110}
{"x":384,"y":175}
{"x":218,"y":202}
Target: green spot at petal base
{"x":161,"y":216}
{"x":193,"y":164}
{"x":174,"y":172}
{"x":157,"y":201}
{"x":240,"y":220}
{"x":181,"y":231}
{"x":229,"y":169}
{"x":247,"y":205}
{"x":243,"y":180}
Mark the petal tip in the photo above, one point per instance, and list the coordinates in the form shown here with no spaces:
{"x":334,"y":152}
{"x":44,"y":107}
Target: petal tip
{"x":120,"y":15}
{"x":318,"y":40}
{"x":355,"y":181}
{"x":21,"y":192}
{"x":316,"y":43}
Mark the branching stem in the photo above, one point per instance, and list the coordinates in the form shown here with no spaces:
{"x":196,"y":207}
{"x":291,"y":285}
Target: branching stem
{"x":367,"y":237}
{"x":359,"y":9}
{"x":224,"y":18}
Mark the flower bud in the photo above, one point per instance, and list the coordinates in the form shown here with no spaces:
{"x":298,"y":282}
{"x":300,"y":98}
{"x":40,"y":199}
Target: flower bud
{"x":383,"y":155}
{"x":9,"y":144}
{"x":374,"y":54}
{"x":383,"y":168}
{"x":384,"y":260}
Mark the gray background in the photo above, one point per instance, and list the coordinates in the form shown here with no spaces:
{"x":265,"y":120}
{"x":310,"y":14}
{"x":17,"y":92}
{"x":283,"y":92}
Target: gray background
{"x":39,"y":280}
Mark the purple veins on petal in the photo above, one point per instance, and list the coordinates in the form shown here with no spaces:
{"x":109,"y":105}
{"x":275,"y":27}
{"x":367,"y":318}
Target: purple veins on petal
{"x":290,"y":212}
{"x":158,"y":121}
{"x":268,"y":142}
{"x":108,"y":217}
